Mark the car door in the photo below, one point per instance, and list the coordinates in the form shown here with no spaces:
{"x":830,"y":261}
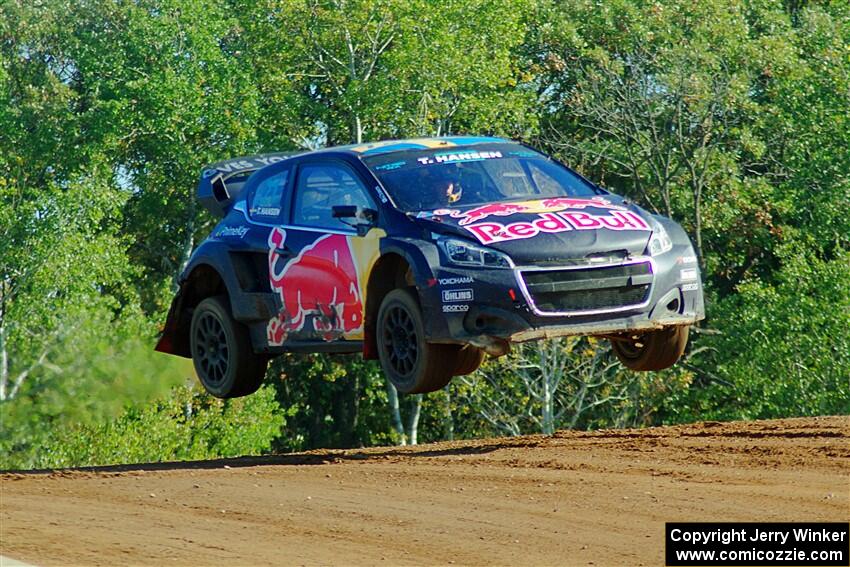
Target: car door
{"x":319,"y":265}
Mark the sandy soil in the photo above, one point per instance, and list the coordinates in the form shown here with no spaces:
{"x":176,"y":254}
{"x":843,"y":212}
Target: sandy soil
{"x":596,"y":498}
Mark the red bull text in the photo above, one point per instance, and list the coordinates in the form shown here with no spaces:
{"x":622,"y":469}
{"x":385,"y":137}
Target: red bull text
{"x":552,"y":204}
{"x":490,"y":232}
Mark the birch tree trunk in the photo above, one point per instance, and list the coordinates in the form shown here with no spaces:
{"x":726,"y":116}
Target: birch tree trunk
{"x":413,"y":421}
{"x":4,"y":361}
{"x":4,"y":355}
{"x":449,"y":423}
{"x":395,"y":411}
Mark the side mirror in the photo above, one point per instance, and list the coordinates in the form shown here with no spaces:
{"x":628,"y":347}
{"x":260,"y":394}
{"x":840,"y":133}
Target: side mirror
{"x":362,"y":218}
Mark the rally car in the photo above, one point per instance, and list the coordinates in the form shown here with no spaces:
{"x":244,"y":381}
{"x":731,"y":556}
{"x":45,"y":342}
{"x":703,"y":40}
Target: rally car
{"x":427,"y":254}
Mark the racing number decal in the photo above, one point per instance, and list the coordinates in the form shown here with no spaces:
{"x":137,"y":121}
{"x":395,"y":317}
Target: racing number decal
{"x":322,"y":287}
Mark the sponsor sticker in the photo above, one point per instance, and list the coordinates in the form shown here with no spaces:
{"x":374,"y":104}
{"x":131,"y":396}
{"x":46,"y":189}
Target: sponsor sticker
{"x":491,"y":232}
{"x":454,"y":295}
{"x":690,"y":287}
{"x":553,"y":215}
{"x":688,"y":274}
{"x":266,"y":211}
{"x":455,"y":281}
{"x":686,"y":260}
{"x":391,"y":166}
{"x":330,"y":305}
{"x":458,"y":156}
{"x":552,"y":204}
{"x":237,"y":231}
{"x":381,"y":195}
{"x":248,"y":163}
{"x":453,"y":308}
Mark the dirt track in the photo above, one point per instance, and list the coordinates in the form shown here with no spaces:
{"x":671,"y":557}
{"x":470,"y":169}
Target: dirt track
{"x":573,"y":499}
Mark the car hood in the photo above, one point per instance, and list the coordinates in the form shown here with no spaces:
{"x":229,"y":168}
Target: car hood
{"x":549,"y":230}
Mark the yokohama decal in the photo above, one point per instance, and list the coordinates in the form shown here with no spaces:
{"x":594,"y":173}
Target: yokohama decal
{"x":490,"y":232}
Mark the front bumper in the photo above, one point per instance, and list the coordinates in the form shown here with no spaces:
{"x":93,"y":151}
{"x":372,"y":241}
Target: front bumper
{"x":490,"y":307}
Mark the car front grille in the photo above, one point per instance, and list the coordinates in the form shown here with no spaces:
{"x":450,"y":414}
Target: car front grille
{"x":588,"y":289}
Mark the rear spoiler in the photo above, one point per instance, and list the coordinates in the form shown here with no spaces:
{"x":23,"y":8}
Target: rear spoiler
{"x":222,"y":182}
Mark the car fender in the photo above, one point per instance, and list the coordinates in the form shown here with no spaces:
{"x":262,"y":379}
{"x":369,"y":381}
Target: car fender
{"x":674,"y":230}
{"x":214,"y":255}
{"x":212,"y":258}
{"x":422,"y":257}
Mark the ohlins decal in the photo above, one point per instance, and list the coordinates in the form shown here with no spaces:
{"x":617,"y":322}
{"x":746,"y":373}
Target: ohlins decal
{"x":490,"y":232}
{"x":320,"y":284}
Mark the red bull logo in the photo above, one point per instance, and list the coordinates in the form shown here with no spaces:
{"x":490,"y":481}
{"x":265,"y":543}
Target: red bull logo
{"x":320,"y":285}
{"x":491,"y":232}
{"x":552,"y":204}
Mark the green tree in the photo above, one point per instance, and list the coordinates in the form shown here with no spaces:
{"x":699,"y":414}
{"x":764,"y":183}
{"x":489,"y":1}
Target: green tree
{"x":164,"y":94}
{"x":784,"y":350}
{"x":342,"y":71}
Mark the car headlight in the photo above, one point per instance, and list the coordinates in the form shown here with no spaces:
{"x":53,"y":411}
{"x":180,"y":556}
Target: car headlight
{"x":463,"y":253}
{"x":659,"y":242}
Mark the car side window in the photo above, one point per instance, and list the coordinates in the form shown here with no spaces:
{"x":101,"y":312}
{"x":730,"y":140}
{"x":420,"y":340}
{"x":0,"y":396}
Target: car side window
{"x":321,"y":186}
{"x":266,"y":200}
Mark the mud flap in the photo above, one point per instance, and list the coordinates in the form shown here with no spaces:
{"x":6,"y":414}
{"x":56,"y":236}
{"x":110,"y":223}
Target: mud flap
{"x":174,"y":339}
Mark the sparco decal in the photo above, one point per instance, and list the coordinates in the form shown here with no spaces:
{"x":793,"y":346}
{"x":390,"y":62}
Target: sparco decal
{"x":550,"y":205}
{"x":455,"y":308}
{"x":320,"y":283}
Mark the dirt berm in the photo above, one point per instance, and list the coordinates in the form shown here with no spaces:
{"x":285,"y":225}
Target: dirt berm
{"x":571,"y":499}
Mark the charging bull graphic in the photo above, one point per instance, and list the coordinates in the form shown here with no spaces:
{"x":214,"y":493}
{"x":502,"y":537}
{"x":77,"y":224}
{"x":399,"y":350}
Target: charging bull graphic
{"x":321,"y":284}
{"x":552,"y":204}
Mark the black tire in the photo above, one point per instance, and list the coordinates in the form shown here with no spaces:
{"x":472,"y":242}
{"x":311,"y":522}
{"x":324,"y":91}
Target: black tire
{"x":221,"y":351}
{"x":411,"y":364}
{"x":655,"y":350}
{"x":469,"y":359}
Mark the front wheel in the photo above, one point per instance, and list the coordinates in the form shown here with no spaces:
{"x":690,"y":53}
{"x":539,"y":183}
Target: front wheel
{"x":411,"y":364}
{"x":469,"y":359}
{"x":654,"y":350}
{"x":221,"y":351}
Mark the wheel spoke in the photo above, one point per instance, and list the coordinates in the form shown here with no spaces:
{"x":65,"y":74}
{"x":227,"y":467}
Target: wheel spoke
{"x":400,"y":340}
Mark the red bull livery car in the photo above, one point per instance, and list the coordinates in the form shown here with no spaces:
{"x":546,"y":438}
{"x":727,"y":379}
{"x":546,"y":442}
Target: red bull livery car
{"x":426,"y":254}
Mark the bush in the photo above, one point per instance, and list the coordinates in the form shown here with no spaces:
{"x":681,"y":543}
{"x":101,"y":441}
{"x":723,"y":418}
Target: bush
{"x":186,"y":425}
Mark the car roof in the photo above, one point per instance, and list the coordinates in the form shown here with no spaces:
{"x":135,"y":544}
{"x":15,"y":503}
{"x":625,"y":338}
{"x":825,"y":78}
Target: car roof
{"x":390,"y":146}
{"x":236,"y":165}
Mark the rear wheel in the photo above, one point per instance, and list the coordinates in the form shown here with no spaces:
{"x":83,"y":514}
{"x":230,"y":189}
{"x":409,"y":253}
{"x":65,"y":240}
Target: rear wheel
{"x":221,"y":351}
{"x":654,"y":350}
{"x":411,"y":364}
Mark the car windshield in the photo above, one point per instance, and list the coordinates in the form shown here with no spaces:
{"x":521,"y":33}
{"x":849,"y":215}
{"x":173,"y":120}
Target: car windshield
{"x":421,"y":180}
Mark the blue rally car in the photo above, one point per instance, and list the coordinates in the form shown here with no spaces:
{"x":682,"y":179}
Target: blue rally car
{"x":426,"y":254}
